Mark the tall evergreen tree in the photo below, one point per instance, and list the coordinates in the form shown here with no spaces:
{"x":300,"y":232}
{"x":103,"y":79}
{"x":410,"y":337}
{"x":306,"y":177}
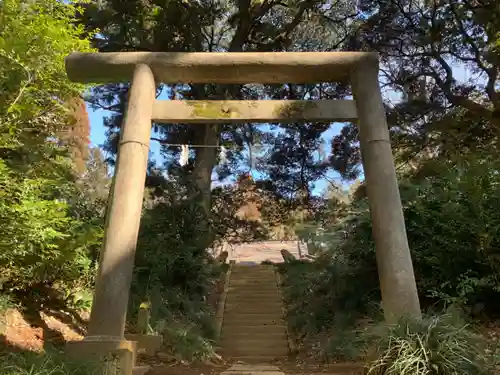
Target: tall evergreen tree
{"x":234,"y":26}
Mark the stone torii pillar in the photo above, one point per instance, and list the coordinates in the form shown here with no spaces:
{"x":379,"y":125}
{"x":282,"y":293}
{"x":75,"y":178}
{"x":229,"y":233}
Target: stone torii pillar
{"x":109,"y":309}
{"x":395,"y":268}
{"x":397,"y":281}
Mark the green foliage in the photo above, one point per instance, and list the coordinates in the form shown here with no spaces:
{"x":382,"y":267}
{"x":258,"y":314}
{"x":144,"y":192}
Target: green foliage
{"x":186,"y":340}
{"x":434,"y":345}
{"x":323,"y":293}
{"x":174,"y":272}
{"x":34,"y":40}
{"x":326,"y":299}
{"x":39,"y":241}
{"x":30,"y":363}
{"x":451,"y":213}
{"x":45,"y":237}
{"x":453,"y":216}
{"x":5,"y":303}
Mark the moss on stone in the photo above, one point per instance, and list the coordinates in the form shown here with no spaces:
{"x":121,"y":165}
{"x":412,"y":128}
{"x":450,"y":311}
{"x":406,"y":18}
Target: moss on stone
{"x":209,"y":110}
{"x":295,"y":110}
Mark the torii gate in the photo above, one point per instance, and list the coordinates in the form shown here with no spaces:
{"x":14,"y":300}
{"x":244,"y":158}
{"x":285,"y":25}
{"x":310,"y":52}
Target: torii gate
{"x":147,"y":69}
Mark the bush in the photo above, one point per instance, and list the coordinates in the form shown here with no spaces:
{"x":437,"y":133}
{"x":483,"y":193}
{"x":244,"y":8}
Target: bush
{"x":439,"y":345}
{"x":450,"y":214}
{"x":6,"y":302}
{"x":29,"y":363}
{"x":174,"y":272}
{"x":186,"y":340}
{"x":43,"y":241}
{"x":324,"y":294}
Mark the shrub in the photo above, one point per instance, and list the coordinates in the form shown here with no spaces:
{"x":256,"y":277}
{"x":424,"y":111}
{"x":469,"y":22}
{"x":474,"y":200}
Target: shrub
{"x":174,"y":272}
{"x":6,"y":302}
{"x":186,"y":340}
{"x":323,"y":293}
{"x":439,"y":345}
{"x":29,"y":363}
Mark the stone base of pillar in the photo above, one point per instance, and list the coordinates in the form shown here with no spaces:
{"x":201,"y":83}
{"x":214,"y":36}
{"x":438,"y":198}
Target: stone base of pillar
{"x":116,"y":356}
{"x":147,"y":344}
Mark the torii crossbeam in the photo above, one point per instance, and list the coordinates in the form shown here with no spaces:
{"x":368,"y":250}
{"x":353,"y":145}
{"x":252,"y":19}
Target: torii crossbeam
{"x":146,"y":70}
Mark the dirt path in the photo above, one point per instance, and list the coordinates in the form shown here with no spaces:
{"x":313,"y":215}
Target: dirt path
{"x":290,"y":367}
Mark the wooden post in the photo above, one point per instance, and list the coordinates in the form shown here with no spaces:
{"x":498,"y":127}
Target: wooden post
{"x":109,"y":309}
{"x":395,"y":268}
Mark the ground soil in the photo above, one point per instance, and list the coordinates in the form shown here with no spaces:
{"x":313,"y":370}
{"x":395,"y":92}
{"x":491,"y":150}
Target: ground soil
{"x":22,"y":330}
{"x":25,"y":332}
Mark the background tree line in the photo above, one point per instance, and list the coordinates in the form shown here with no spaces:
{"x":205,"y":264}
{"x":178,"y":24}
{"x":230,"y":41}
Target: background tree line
{"x":440,"y":62}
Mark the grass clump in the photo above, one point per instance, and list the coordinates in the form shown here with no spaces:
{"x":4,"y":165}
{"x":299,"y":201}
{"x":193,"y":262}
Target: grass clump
{"x":185,"y":340}
{"x":6,"y":302}
{"x":30,"y":363}
{"x":433,"y":345}
{"x":334,"y":319}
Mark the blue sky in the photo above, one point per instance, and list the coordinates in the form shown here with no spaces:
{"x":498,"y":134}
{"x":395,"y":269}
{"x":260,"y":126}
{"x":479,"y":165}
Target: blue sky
{"x":461,"y":73}
{"x":98,"y":138}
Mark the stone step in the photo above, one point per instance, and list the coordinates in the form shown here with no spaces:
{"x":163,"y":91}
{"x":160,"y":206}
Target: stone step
{"x":246,"y":328}
{"x":252,"y":282}
{"x":237,"y":292}
{"x":242,"y":335}
{"x":257,"y":276}
{"x":257,"y":288}
{"x":244,"y":270}
{"x":253,"y":293}
{"x":252,"y":299}
{"x":255,"y":318}
{"x":267,"y":276}
{"x":247,"y":315}
{"x":250,"y":329}
{"x":253,"y":266}
{"x":244,"y":261}
{"x":332,"y":369}
{"x":264,"y":309}
{"x":233,"y":327}
{"x":254,"y":288}
{"x":236,"y":320}
{"x":254,"y":351}
{"x":345,"y":371}
{"x":251,"y":371}
{"x":242,"y":369}
{"x":237,"y":311}
{"x":140,"y":370}
{"x":249,"y":304}
{"x":249,"y":272}
{"x":245,"y":275}
{"x":253,"y":269}
{"x":256,"y":359}
{"x":253,"y":326}
{"x":243,"y":342}
{"x":244,"y":306}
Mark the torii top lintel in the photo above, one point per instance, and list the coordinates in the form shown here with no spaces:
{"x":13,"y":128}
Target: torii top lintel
{"x":218,"y":67}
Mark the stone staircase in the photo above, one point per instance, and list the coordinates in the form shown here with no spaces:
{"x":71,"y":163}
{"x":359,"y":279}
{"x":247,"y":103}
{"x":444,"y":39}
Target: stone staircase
{"x":260,"y":251}
{"x":253,"y":329}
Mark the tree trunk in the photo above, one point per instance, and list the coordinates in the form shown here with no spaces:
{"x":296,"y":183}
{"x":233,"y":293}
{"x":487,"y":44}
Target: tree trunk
{"x":205,"y":159}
